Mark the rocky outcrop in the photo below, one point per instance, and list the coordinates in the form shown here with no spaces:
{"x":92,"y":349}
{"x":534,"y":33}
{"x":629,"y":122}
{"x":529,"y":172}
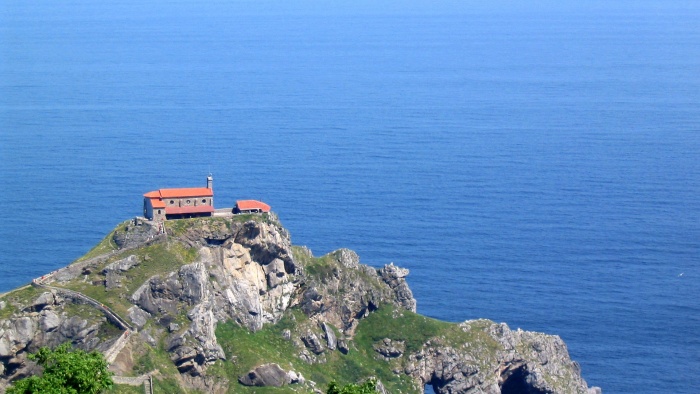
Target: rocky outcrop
{"x":526,"y":362}
{"x":390,"y":349}
{"x":395,"y":277}
{"x":312,"y":342}
{"x":134,"y":233}
{"x":331,"y":340}
{"x":266,"y":375}
{"x":248,"y":273}
{"x":245,"y":272}
{"x":341,"y":291}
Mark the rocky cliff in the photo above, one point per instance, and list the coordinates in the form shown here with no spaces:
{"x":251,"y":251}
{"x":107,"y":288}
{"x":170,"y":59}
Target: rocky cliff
{"x":224,"y":304}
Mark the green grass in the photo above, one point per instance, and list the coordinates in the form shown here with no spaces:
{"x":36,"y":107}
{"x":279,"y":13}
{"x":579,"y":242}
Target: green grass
{"x":406,"y":326}
{"x":167,"y":386}
{"x":160,"y":386}
{"x":321,"y":268}
{"x":155,"y":358}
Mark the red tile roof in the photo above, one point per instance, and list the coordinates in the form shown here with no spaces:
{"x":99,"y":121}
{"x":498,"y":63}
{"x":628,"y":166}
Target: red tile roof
{"x":153,"y":194}
{"x":248,"y":205}
{"x":186,"y":192}
{"x":181,"y":193}
{"x":189,"y":209}
{"x":156,"y":203}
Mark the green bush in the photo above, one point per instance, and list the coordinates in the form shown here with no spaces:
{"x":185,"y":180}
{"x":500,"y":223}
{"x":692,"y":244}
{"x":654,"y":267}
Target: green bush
{"x":66,"y":371}
{"x":367,"y":387}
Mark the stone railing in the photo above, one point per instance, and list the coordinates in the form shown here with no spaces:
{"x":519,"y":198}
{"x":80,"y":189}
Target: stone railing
{"x":146,"y":380}
{"x":130,"y":380}
{"x":112,"y":353}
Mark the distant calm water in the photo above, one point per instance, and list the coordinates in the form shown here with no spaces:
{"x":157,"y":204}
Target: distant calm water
{"x":537,"y":165}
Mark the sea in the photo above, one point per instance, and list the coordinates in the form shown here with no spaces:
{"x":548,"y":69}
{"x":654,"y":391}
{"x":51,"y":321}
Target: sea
{"x":535,"y":163}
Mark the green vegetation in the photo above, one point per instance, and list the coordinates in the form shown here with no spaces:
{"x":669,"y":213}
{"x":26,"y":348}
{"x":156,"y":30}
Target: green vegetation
{"x":411,"y":328}
{"x":323,"y":267}
{"x":154,"y":358}
{"x":66,"y":371}
{"x":169,"y":386}
{"x":367,"y":387}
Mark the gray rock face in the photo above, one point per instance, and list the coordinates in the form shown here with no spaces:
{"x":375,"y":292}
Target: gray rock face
{"x":244,"y":273}
{"x":347,"y":291}
{"x":295,"y":377}
{"x":44,"y":300}
{"x":348,"y":258}
{"x":49,"y":321}
{"x":287,"y":335}
{"x":343,"y":346}
{"x":138,"y":316}
{"x":524,"y":359}
{"x":395,"y":277}
{"x":312,"y":342}
{"x":266,"y":375}
{"x":24,"y":329}
{"x":331,"y":340}
{"x":390,"y":349}
{"x":122,"y":265}
{"x":134,"y":233}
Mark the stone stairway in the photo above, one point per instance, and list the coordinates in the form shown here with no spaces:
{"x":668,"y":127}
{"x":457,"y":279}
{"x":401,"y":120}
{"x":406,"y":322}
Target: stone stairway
{"x":148,"y":385}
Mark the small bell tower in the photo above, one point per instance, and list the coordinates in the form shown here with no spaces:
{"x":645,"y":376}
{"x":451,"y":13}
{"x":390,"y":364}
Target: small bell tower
{"x":210,"y":186}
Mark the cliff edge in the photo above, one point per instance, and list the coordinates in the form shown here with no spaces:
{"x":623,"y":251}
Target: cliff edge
{"x":228,"y":304}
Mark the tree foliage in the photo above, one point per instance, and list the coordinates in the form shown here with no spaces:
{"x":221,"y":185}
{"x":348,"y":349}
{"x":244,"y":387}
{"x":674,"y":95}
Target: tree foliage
{"x":66,"y":371}
{"x":368,"y":387}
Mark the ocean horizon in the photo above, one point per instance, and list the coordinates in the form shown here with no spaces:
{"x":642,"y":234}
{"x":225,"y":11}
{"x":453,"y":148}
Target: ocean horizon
{"x":534,"y":164}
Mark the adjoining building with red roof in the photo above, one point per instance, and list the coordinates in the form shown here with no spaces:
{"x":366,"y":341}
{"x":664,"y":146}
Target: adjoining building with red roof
{"x":180,"y":203}
{"x":251,"y":206}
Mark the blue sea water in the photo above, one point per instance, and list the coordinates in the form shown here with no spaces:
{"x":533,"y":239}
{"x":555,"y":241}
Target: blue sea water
{"x":533,"y":163}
